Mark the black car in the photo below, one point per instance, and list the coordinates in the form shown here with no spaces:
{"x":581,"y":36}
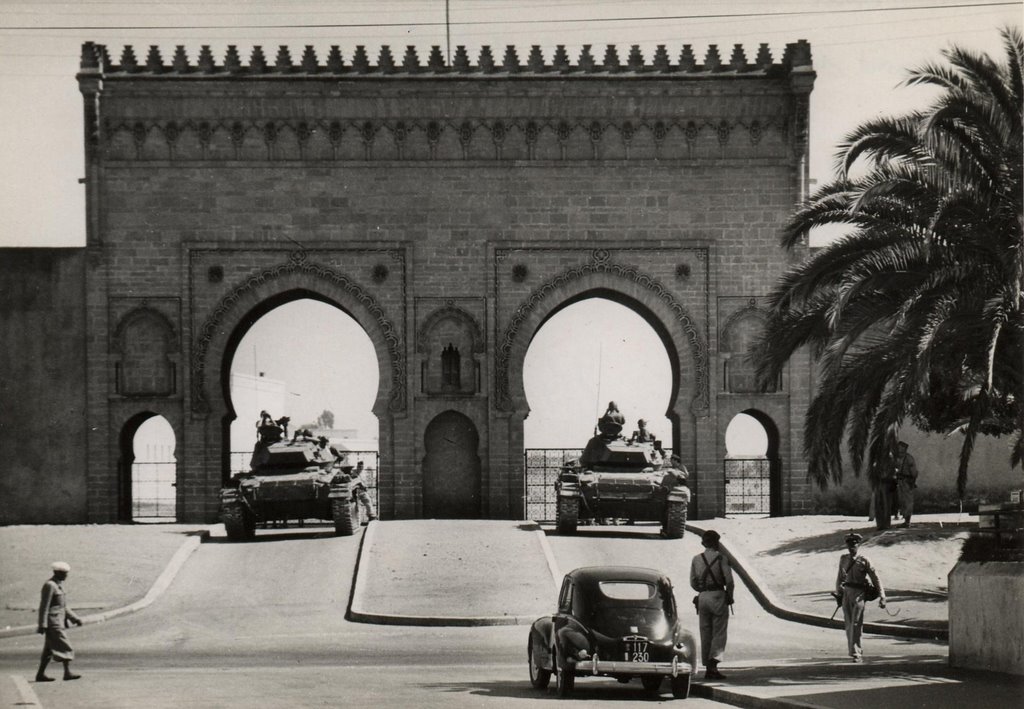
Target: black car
{"x":613,"y":621}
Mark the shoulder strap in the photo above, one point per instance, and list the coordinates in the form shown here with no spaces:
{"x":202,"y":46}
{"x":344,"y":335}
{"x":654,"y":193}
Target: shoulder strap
{"x":709,"y":570}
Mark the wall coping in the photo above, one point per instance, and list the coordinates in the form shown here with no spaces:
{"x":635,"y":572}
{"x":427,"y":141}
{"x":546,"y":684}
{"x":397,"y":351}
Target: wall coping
{"x":96,"y":61}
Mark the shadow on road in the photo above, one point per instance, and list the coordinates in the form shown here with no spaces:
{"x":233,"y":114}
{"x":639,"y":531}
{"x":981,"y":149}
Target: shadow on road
{"x":833,"y":541}
{"x":283,"y":534}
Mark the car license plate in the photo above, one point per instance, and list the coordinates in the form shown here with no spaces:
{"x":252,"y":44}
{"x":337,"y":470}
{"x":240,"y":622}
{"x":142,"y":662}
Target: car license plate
{"x":636,"y":651}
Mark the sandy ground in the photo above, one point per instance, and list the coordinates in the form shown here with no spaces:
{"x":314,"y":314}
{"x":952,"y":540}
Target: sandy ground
{"x":111,"y":565}
{"x":114,"y":565}
{"x":799,"y":556}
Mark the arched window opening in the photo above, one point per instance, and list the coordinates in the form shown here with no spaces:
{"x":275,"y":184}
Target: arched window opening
{"x":588,"y":353}
{"x":745,"y":437}
{"x":154,"y":472}
{"x":752,"y":467}
{"x":310,"y":361}
{"x":451,"y":367}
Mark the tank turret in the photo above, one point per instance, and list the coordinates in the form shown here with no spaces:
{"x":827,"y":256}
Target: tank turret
{"x":289,"y":479}
{"x":622,"y":478}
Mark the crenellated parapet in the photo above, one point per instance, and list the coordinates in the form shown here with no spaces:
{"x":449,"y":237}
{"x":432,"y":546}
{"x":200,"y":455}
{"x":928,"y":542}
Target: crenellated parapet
{"x":96,"y":59}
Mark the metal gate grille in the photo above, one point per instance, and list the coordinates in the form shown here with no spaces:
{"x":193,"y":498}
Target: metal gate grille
{"x":747,"y":486}
{"x":153,"y":491}
{"x":542,"y":466}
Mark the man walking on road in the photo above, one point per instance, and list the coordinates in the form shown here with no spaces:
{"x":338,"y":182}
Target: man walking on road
{"x":54,"y":616}
{"x":711,"y":578}
{"x":852,"y":590}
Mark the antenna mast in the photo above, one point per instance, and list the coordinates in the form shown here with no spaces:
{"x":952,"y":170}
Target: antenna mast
{"x":448,"y":32}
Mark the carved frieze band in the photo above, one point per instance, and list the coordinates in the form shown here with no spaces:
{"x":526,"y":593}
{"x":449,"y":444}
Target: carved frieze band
{"x":430,"y":139}
{"x":601,"y":263}
{"x":298,"y":263}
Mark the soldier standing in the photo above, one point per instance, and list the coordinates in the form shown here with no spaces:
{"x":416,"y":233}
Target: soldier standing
{"x":885,"y":492}
{"x":711,"y":578}
{"x":906,"y":481}
{"x":851,"y":588}
{"x":54,"y":617}
{"x":362,"y":494}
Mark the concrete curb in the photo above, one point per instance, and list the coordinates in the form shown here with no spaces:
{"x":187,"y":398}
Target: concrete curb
{"x":164,"y":580}
{"x":773,"y":605}
{"x":357,"y":613}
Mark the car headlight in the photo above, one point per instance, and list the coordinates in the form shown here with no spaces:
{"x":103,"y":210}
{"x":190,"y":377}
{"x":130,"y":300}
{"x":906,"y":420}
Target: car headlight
{"x":583,"y":655}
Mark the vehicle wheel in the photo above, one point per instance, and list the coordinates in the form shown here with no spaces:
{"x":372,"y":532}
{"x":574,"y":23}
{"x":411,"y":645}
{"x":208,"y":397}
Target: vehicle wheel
{"x":565,"y":681}
{"x":675,"y":520}
{"x":234,"y":520}
{"x":346,"y":517}
{"x":681,"y":686}
{"x":539,"y":677}
{"x":567,"y":516}
{"x":652,"y":683}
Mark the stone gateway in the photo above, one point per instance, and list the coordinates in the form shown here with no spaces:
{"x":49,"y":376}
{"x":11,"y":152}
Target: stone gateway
{"x":450,"y":209}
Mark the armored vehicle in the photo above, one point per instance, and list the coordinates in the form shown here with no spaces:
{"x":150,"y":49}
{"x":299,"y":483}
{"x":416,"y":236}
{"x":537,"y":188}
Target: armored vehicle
{"x":616,"y":478}
{"x":295,"y":479}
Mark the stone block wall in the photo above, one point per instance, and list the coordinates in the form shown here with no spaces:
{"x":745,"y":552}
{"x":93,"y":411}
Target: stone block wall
{"x":395,"y":190}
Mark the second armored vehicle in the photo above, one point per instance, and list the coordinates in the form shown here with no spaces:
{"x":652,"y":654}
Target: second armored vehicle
{"x":616,"y":478}
{"x":295,"y":479}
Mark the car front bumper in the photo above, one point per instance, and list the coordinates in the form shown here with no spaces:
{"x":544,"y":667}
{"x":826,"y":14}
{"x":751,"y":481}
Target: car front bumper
{"x":597,"y":666}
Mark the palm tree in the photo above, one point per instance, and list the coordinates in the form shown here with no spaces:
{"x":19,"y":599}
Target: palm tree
{"x":917,"y":313}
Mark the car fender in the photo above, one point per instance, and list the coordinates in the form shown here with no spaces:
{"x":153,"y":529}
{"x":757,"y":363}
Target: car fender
{"x":541,"y":642}
{"x":571,"y":638}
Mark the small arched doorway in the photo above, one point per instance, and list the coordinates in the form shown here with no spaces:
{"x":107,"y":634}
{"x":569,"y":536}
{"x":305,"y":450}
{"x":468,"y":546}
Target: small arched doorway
{"x":147,"y":470}
{"x":753,"y":470}
{"x":451,"y":468}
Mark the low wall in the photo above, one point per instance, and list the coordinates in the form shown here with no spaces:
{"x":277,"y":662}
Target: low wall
{"x":986,"y":626}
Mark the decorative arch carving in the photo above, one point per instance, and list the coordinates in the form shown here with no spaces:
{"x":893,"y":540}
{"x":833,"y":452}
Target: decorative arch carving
{"x":453,"y":312}
{"x":145,"y":343}
{"x":601,"y":263}
{"x":443,"y":339}
{"x":737,"y":332}
{"x":298,"y":263}
{"x":750,"y":310}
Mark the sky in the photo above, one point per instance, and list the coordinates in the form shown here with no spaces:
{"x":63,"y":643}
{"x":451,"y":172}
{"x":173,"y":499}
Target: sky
{"x":861,"y":52}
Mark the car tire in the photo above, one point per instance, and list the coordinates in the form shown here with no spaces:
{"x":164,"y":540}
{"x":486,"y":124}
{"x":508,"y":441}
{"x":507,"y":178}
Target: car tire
{"x":567,"y":515}
{"x":652,"y":683}
{"x":675,"y":520}
{"x":565,"y":681}
{"x":681,"y":686}
{"x":346,"y":517}
{"x":235,"y":525}
{"x":539,"y":677}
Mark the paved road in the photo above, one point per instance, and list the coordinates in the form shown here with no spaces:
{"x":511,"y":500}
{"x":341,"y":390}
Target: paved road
{"x":263,"y":624}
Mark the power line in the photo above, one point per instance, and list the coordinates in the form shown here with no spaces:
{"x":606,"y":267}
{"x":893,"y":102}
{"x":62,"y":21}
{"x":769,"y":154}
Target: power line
{"x":467,"y":23}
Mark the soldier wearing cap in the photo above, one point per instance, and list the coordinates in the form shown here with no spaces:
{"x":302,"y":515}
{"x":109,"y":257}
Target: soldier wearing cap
{"x":711,"y":578}
{"x":851,"y":587}
{"x":54,"y":616}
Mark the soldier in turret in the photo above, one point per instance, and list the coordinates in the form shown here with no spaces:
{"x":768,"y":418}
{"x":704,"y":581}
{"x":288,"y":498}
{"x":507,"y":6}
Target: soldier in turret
{"x":610,"y":425}
{"x":641,"y":434}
